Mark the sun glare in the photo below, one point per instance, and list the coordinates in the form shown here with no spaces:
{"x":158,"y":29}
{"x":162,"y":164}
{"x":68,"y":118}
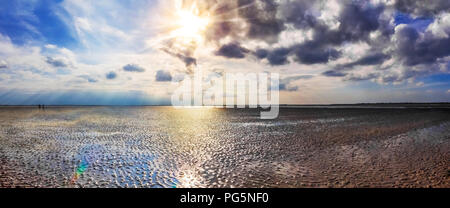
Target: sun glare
{"x":190,"y":23}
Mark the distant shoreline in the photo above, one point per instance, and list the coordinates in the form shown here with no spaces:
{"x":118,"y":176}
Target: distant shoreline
{"x":355,"y":105}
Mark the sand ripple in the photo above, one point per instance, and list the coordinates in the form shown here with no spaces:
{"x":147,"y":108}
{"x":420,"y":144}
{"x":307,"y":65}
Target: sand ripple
{"x":162,"y":147}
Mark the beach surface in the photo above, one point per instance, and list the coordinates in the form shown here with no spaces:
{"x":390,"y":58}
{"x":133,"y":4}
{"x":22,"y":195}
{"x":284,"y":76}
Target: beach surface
{"x":165,"y":147}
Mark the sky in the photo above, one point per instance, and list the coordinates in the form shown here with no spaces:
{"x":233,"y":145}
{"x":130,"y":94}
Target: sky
{"x":134,"y":52}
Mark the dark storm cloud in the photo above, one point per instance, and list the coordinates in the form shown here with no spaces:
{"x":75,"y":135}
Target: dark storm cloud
{"x":303,"y":53}
{"x":261,"y":53}
{"x":224,"y":26}
{"x":298,"y":13}
{"x":278,"y":56}
{"x":261,"y":17}
{"x":243,"y":19}
{"x":163,"y":76}
{"x":133,"y":68}
{"x":57,"y":62}
{"x":423,"y":7}
{"x":111,"y":75}
{"x":357,"y":21}
{"x":232,"y":50}
{"x":311,"y":54}
{"x":414,"y":51}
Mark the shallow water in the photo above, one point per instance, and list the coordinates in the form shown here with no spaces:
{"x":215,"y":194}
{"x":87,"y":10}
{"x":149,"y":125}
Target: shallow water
{"x":166,"y":147}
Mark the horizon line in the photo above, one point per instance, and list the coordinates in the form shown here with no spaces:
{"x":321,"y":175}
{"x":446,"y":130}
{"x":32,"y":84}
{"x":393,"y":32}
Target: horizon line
{"x":157,"y":105}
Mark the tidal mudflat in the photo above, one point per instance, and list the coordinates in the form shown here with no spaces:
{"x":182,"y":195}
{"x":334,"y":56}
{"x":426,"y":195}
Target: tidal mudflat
{"x":165,"y":147}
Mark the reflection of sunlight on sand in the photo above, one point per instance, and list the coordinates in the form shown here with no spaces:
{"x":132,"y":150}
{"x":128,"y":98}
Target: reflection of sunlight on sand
{"x":191,"y":135}
{"x":190,"y":128}
{"x":188,"y":178}
{"x":196,"y":113}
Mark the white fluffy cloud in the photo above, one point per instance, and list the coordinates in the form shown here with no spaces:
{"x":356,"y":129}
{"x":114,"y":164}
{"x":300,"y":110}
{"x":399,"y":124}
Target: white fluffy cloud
{"x":441,"y":26}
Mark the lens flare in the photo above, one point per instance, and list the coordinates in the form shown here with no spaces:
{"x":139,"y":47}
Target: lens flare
{"x":89,"y":154}
{"x":190,"y":24}
{"x":82,"y":167}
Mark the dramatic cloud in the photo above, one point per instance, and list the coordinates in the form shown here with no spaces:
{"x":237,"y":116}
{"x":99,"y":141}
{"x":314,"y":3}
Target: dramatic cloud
{"x":356,"y":22}
{"x":298,"y":13}
{"x":414,"y":50}
{"x":441,"y":26}
{"x":163,"y":76}
{"x":261,"y":53}
{"x":422,"y":8}
{"x":309,"y":54}
{"x":391,"y":47}
{"x":232,"y":50}
{"x":252,"y":28}
{"x":111,"y":75}
{"x":133,"y":68}
{"x":278,"y":56}
{"x":306,"y":53}
{"x":260,"y":15}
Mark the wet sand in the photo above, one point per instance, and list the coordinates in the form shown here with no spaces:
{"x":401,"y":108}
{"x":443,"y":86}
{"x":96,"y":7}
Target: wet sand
{"x":166,"y":147}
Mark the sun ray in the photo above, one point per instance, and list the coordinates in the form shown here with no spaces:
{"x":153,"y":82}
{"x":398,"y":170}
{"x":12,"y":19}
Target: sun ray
{"x":217,"y":15}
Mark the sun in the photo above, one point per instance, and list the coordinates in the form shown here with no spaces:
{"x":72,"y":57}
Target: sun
{"x":183,"y":26}
{"x":190,"y":23}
